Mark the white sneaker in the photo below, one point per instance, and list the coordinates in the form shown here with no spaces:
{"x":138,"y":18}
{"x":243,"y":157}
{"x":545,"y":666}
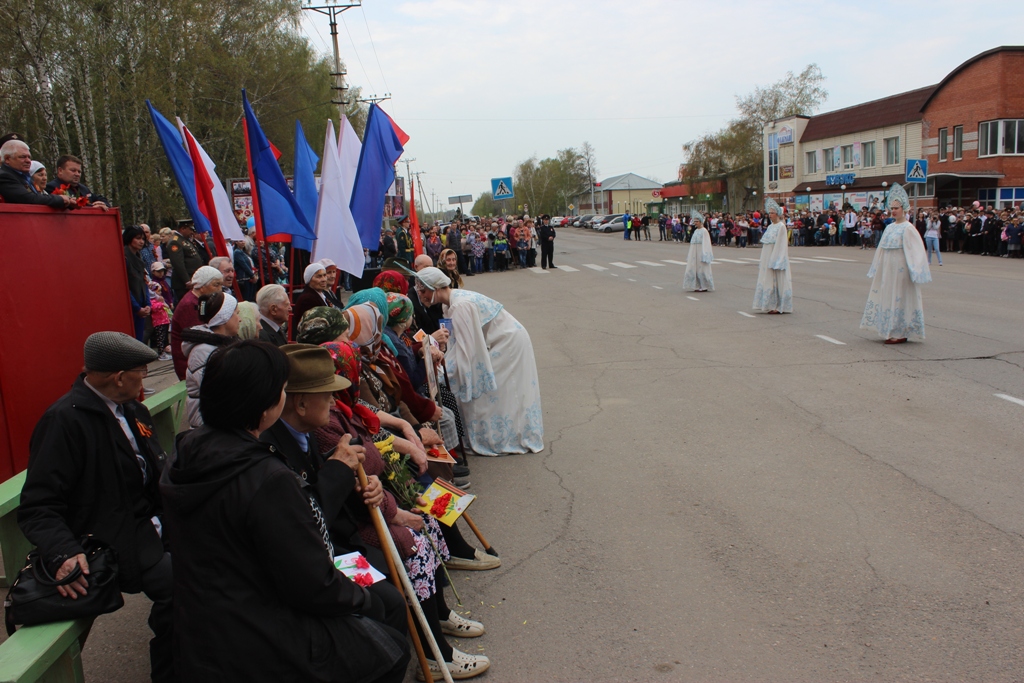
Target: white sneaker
{"x":164,"y":356}
{"x":461,"y":627}
{"x":461,"y":667}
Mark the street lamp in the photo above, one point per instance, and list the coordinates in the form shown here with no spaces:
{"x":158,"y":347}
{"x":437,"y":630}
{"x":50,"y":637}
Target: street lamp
{"x":885,"y":192}
{"x":842,"y":206}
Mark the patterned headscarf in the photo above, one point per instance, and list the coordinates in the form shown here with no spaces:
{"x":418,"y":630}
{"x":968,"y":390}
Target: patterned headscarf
{"x":392,"y":281}
{"x":321,"y":324}
{"x":346,"y":364}
{"x":374,"y":295}
{"x":399,"y":309}
{"x":365,"y":326}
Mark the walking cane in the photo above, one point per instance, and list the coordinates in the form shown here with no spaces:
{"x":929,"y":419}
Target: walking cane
{"x":488,"y":548}
{"x":401,"y":580}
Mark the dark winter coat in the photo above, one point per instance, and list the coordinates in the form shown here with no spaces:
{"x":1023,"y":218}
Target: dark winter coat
{"x":256,"y":594}
{"x":83,"y":478}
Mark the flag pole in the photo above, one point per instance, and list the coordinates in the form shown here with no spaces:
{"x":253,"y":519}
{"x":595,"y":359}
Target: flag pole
{"x":401,"y":579}
{"x":262,"y":252}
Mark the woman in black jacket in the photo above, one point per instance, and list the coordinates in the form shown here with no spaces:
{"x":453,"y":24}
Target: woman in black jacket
{"x":257,"y":596}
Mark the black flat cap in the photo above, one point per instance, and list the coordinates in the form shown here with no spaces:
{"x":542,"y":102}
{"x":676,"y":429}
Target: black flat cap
{"x":116,"y":351}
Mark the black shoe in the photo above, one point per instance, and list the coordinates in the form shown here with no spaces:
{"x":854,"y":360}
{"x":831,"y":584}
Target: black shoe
{"x":460,"y":471}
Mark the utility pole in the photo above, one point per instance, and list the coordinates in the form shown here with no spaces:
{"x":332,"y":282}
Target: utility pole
{"x":332,"y":9}
{"x":408,"y":176}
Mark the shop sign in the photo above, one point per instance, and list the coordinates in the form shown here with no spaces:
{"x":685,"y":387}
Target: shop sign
{"x":787,"y":172}
{"x":785,"y":135}
{"x":840,"y":179}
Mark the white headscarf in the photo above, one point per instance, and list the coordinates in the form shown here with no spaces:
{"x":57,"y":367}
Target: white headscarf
{"x":227,"y":309}
{"x":204,"y":275}
{"x":433,"y":279}
{"x":311,"y":270}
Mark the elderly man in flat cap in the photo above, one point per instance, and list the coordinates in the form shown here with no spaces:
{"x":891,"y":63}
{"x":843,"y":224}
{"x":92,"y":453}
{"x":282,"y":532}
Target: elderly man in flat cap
{"x":94,"y":465}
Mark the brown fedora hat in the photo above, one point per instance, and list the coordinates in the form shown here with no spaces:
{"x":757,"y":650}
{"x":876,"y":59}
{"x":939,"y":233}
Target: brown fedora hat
{"x":311,"y":370}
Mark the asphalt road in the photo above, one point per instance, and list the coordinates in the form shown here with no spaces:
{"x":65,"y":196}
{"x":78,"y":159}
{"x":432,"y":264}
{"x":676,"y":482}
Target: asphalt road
{"x":734,"y":498}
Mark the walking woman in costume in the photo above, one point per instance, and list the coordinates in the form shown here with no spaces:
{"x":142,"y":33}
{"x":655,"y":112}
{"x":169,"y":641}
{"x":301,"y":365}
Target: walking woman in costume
{"x":774,"y":291}
{"x":698,"y":261}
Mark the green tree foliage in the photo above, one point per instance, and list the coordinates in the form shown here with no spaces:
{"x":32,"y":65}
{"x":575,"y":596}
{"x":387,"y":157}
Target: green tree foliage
{"x":548,"y":185}
{"x":76,"y":75}
{"x":485,"y":205}
{"x":738,"y":147}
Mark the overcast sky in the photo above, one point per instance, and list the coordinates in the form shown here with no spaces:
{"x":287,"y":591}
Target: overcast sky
{"x":480,"y":85}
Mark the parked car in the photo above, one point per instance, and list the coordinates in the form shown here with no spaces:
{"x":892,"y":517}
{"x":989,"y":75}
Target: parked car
{"x":608,"y":219}
{"x":595,"y":220}
{"x":565,"y":221}
{"x":615,"y":224}
{"x":580,"y":221}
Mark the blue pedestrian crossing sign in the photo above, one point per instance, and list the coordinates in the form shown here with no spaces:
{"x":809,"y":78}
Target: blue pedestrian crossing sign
{"x":917,"y":171}
{"x":501,"y":188}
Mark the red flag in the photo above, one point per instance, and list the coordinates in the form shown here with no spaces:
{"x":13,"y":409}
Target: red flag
{"x":417,"y":238}
{"x":402,"y":136}
{"x":204,"y":193}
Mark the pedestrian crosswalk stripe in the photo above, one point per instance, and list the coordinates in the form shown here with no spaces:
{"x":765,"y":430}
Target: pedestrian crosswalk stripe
{"x":620,"y":264}
{"x":568,"y":269}
{"x":538,"y":270}
{"x":744,"y":313}
{"x":652,"y":263}
{"x":1011,"y":399}
{"x":631,"y":279}
{"x":729,"y":260}
{"x":594,"y":266}
{"x":675,"y":263}
{"x":693,"y":298}
{"x":657,"y":287}
{"x":830,"y":340}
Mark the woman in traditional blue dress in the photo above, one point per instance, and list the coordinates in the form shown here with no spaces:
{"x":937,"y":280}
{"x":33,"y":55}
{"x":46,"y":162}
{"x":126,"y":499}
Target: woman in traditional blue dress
{"x":774,"y":291}
{"x":899,"y":268}
{"x":698,"y":260}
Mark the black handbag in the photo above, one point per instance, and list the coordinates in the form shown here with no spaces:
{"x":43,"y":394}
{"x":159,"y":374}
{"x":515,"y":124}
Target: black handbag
{"x":33,"y":599}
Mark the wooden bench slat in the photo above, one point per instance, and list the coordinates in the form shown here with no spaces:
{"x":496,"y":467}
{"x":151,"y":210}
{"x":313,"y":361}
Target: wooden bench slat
{"x":33,"y":650}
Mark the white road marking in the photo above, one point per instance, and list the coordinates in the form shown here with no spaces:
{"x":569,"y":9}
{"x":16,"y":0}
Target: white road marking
{"x":657,"y":287}
{"x":614,"y":274}
{"x":752,"y":260}
{"x":830,"y":340}
{"x":832,"y":258}
{"x":693,"y":298}
{"x":675,"y":263}
{"x":538,"y":270}
{"x":652,"y":263}
{"x":594,"y":266}
{"x":568,"y":269}
{"x":1011,"y":399}
{"x":744,"y":313}
{"x":620,"y":264}
{"x":631,"y":279}
{"x":813,"y":260}
{"x":797,"y":259}
{"x":729,"y":260}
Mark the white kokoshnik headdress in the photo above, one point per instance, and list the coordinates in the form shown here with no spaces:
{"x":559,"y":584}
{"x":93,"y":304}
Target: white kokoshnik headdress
{"x":897,"y":194}
{"x":772,"y":206}
{"x":697,"y":216}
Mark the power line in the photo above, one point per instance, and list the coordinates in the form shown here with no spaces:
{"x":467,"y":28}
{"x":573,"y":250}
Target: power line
{"x":358,"y":58}
{"x":603,"y":118}
{"x":374,"y":46}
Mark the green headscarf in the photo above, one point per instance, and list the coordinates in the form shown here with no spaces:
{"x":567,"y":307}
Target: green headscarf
{"x":320,"y":325}
{"x":379,"y":298}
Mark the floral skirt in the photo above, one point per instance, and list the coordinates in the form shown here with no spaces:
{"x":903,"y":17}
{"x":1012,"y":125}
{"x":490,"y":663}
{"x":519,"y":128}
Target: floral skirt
{"x":422,"y":564}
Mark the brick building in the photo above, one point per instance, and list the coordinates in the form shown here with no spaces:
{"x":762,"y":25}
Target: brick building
{"x":970,"y":128}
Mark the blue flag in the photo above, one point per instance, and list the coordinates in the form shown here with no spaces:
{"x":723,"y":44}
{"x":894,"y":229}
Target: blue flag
{"x":278,"y":209}
{"x":181,"y":165}
{"x":305,"y":184}
{"x":374,"y":175}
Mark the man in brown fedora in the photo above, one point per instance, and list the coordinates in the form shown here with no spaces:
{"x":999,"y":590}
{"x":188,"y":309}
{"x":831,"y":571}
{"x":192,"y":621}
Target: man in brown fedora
{"x":309,"y":396}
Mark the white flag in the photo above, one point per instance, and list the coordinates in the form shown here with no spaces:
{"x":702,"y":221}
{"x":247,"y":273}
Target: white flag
{"x":226,"y":219}
{"x":337,"y":237}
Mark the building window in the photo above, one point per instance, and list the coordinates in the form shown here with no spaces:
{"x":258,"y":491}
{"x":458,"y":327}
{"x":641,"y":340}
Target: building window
{"x":810,"y":163}
{"x":926,"y":189}
{"x":1013,"y":137}
{"x":958,"y":143}
{"x":943,"y":144}
{"x":773,"y":156}
{"x":830,"y":161}
{"x":847,"y":157}
{"x":892,"y":151}
{"x":987,"y":196}
{"x":868,"y":154}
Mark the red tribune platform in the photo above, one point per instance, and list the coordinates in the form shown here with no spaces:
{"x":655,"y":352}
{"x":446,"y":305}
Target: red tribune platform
{"x":62,"y":277}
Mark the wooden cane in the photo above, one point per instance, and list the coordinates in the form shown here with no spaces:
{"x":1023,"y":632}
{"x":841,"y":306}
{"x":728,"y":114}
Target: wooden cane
{"x":401,"y":580}
{"x":488,"y":548}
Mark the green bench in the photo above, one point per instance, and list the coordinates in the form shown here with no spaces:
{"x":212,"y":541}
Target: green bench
{"x":52,"y":653}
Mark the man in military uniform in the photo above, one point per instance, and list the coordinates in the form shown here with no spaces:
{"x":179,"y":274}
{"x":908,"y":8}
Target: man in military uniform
{"x":185,"y":257}
{"x":404,"y":240}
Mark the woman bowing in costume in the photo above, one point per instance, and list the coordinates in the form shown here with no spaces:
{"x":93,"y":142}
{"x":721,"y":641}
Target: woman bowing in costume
{"x":492,"y":368}
{"x":899,"y":268}
{"x":698,"y":261}
{"x":774,"y":291}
